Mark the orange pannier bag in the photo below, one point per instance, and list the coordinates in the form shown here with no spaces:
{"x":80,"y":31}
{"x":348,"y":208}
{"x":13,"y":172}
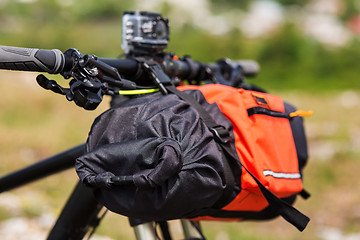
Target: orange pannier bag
{"x":271,"y":145}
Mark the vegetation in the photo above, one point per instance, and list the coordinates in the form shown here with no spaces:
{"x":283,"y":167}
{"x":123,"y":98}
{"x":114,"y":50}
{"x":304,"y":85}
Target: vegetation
{"x":287,"y":57}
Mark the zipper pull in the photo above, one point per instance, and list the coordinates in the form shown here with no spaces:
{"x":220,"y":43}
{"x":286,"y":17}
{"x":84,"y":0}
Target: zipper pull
{"x":301,"y":113}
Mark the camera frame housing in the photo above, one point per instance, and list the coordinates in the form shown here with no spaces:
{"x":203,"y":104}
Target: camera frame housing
{"x":144,"y":33}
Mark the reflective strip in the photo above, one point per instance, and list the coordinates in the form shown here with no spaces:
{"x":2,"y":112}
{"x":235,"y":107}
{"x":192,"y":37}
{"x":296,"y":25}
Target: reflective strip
{"x":138,"y":91}
{"x":282,"y":175}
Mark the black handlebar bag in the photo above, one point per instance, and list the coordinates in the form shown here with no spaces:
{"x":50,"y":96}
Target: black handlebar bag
{"x":170,"y":164}
{"x":162,"y":157}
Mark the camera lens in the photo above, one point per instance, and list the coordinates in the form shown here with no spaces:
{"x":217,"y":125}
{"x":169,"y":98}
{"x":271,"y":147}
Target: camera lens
{"x":161,"y":30}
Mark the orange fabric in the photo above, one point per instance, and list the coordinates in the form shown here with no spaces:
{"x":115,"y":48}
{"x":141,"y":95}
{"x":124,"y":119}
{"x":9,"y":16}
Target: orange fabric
{"x":262,"y":143}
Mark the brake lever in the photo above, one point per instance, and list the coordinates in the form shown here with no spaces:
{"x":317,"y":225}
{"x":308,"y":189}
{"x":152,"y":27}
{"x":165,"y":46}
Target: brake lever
{"x":91,"y":80}
{"x":51,"y":85}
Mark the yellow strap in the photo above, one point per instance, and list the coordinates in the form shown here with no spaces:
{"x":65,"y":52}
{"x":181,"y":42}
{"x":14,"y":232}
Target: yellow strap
{"x":138,"y":91}
{"x":301,"y":113}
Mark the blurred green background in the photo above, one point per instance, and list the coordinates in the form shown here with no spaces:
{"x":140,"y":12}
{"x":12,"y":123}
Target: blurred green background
{"x":308,"y":51}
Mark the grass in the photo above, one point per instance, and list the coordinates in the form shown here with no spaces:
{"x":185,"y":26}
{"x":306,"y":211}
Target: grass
{"x":35,"y":123}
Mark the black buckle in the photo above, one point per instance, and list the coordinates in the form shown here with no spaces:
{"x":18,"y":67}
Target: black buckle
{"x":221,"y":134}
{"x":157,"y":75}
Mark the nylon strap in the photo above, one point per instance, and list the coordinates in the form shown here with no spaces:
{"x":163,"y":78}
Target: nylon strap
{"x":266,"y":111}
{"x":205,"y":116}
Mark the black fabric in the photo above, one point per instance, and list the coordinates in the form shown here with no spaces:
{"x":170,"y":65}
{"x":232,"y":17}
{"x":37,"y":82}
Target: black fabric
{"x":205,"y":116}
{"x":160,"y":159}
{"x":297,"y":128}
{"x":132,"y":139}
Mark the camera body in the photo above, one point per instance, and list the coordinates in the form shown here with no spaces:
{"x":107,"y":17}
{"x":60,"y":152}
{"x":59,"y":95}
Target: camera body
{"x":144,"y":33}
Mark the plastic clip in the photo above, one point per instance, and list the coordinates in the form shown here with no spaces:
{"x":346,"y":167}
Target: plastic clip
{"x":221,"y":134}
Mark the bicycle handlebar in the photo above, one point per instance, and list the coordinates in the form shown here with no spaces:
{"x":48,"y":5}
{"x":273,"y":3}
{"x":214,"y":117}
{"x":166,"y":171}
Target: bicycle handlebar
{"x":55,"y":62}
{"x":31,"y":59}
{"x":93,"y":77}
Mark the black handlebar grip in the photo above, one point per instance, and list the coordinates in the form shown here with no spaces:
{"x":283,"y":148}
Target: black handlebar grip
{"x":31,"y":59}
